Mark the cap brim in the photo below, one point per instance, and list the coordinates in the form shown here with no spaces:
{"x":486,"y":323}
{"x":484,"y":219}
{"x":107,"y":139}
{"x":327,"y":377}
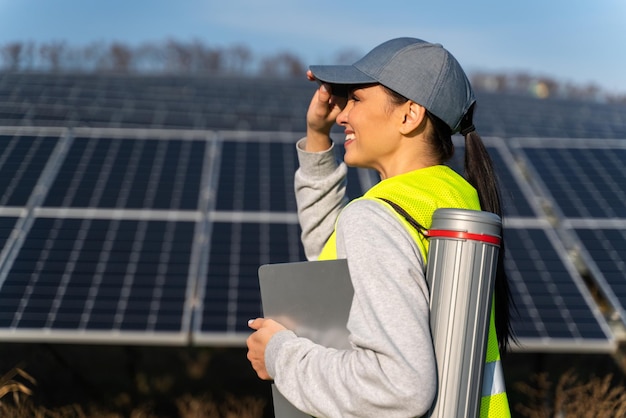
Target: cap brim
{"x":340,"y":74}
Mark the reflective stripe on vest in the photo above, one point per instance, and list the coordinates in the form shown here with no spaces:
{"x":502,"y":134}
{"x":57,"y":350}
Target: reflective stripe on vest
{"x":493,"y":379}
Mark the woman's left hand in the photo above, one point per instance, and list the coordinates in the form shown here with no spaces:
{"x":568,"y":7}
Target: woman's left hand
{"x":257,"y":341}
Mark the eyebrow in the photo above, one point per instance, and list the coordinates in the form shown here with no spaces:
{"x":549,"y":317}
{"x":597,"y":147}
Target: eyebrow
{"x":354,"y":87}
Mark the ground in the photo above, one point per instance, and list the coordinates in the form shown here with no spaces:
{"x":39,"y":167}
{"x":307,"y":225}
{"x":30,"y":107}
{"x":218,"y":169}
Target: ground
{"x":164,"y":380}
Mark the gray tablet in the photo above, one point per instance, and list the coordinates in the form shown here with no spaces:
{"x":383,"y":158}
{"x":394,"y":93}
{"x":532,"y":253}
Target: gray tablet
{"x":311,"y":298}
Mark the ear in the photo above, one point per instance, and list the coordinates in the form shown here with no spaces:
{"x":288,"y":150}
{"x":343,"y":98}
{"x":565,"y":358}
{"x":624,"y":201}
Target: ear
{"x":414,"y":118}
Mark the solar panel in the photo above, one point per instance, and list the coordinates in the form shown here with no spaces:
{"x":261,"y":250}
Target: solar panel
{"x":71,"y":276}
{"x":584,"y":178}
{"x":162,"y":102}
{"x":582,"y":182}
{"x":108,"y":245}
{"x":22,"y":160}
{"x":607,"y":248}
{"x":600,"y":245}
{"x":7,"y":223}
{"x":227,"y":103}
{"x":118,"y":276}
{"x":510,"y":115}
{"x":129,"y":173}
{"x":230,"y":291}
{"x":555,"y":308}
{"x":257,"y":176}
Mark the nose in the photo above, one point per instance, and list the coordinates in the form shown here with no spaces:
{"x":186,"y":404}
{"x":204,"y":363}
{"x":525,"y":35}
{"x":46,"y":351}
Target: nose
{"x":342,"y":117}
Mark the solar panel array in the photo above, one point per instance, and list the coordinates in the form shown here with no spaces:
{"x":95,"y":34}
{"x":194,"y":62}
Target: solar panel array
{"x":583,"y":183}
{"x":228,"y":103}
{"x":104,"y":240}
{"x":138,"y":209}
{"x":555,"y":310}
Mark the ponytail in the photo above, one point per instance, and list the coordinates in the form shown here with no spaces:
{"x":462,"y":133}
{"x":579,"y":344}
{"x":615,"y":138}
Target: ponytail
{"x":480,"y":173}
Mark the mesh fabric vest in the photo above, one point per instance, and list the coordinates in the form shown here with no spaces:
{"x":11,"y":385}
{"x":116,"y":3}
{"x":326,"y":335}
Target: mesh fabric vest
{"x":420,"y":193}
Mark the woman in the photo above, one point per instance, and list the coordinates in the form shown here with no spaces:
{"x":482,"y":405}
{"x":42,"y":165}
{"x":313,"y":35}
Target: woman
{"x":404,"y":100}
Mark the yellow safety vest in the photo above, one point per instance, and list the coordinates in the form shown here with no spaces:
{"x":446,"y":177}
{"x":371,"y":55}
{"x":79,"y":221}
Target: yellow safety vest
{"x":419,"y":193}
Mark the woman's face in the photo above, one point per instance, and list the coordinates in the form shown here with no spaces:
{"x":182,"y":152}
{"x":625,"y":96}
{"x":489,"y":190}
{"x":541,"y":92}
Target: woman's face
{"x":371,"y":121}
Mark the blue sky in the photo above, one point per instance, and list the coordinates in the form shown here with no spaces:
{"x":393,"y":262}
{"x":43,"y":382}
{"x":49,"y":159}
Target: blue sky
{"x":579,"y":41}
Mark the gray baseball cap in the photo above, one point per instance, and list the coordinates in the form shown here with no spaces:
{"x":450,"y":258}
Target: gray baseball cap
{"x":420,"y":71}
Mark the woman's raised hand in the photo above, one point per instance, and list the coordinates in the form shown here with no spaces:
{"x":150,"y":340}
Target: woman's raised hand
{"x":320,"y":117}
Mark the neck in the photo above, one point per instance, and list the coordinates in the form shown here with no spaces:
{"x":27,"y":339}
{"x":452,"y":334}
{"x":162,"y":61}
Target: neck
{"x":409,"y":158}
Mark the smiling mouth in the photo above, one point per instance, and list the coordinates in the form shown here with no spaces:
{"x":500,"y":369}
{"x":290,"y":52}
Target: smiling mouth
{"x":349,"y":138}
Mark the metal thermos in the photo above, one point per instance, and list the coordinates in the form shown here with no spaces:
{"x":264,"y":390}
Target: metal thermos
{"x":461,"y":268}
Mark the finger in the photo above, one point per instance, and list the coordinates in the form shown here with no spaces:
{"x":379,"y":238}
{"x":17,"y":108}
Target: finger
{"x":310,"y":76}
{"x":256,"y":323}
{"x":325,"y":93}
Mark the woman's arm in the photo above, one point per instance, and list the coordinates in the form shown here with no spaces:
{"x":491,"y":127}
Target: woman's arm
{"x":390,"y":371}
{"x":320,"y":186}
{"x":320,"y":181}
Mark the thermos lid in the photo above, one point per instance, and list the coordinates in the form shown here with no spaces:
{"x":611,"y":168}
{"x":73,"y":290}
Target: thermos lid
{"x":466,"y":220}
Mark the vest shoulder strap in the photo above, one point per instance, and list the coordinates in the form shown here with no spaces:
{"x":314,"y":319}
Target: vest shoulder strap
{"x":418,"y":227}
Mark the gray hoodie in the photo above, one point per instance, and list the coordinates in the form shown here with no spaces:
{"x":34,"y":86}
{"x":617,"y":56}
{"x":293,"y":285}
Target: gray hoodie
{"x":390,"y":369}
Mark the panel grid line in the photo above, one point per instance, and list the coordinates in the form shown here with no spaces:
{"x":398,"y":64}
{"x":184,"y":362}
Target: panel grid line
{"x":203,"y":235}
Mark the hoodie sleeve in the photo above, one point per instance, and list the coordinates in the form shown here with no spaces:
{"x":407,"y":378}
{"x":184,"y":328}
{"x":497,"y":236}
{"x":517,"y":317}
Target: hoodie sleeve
{"x":320,"y":186}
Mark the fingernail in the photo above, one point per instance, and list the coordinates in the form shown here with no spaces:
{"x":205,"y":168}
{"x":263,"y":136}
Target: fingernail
{"x":250,"y":321}
{"x":324,"y":87}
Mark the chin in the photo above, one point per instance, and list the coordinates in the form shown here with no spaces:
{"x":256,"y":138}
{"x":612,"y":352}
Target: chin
{"x":351,"y":162}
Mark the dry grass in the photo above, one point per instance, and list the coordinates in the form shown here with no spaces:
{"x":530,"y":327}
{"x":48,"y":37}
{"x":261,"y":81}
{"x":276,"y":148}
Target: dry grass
{"x":191,"y":407}
{"x":13,"y":383}
{"x":17,"y":383}
{"x":572,"y":398}
{"x":188,"y":407}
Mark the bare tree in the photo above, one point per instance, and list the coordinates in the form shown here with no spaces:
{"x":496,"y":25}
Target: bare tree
{"x":213,"y":60}
{"x":52,"y":54}
{"x":178,"y":57}
{"x":94,"y":56}
{"x":197,"y":50}
{"x":195,"y":57}
{"x":283,"y":64}
{"x":237,"y":59}
{"x":121,"y":57}
{"x":12,"y":55}
{"x":28,"y":56}
{"x":149,"y":57}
